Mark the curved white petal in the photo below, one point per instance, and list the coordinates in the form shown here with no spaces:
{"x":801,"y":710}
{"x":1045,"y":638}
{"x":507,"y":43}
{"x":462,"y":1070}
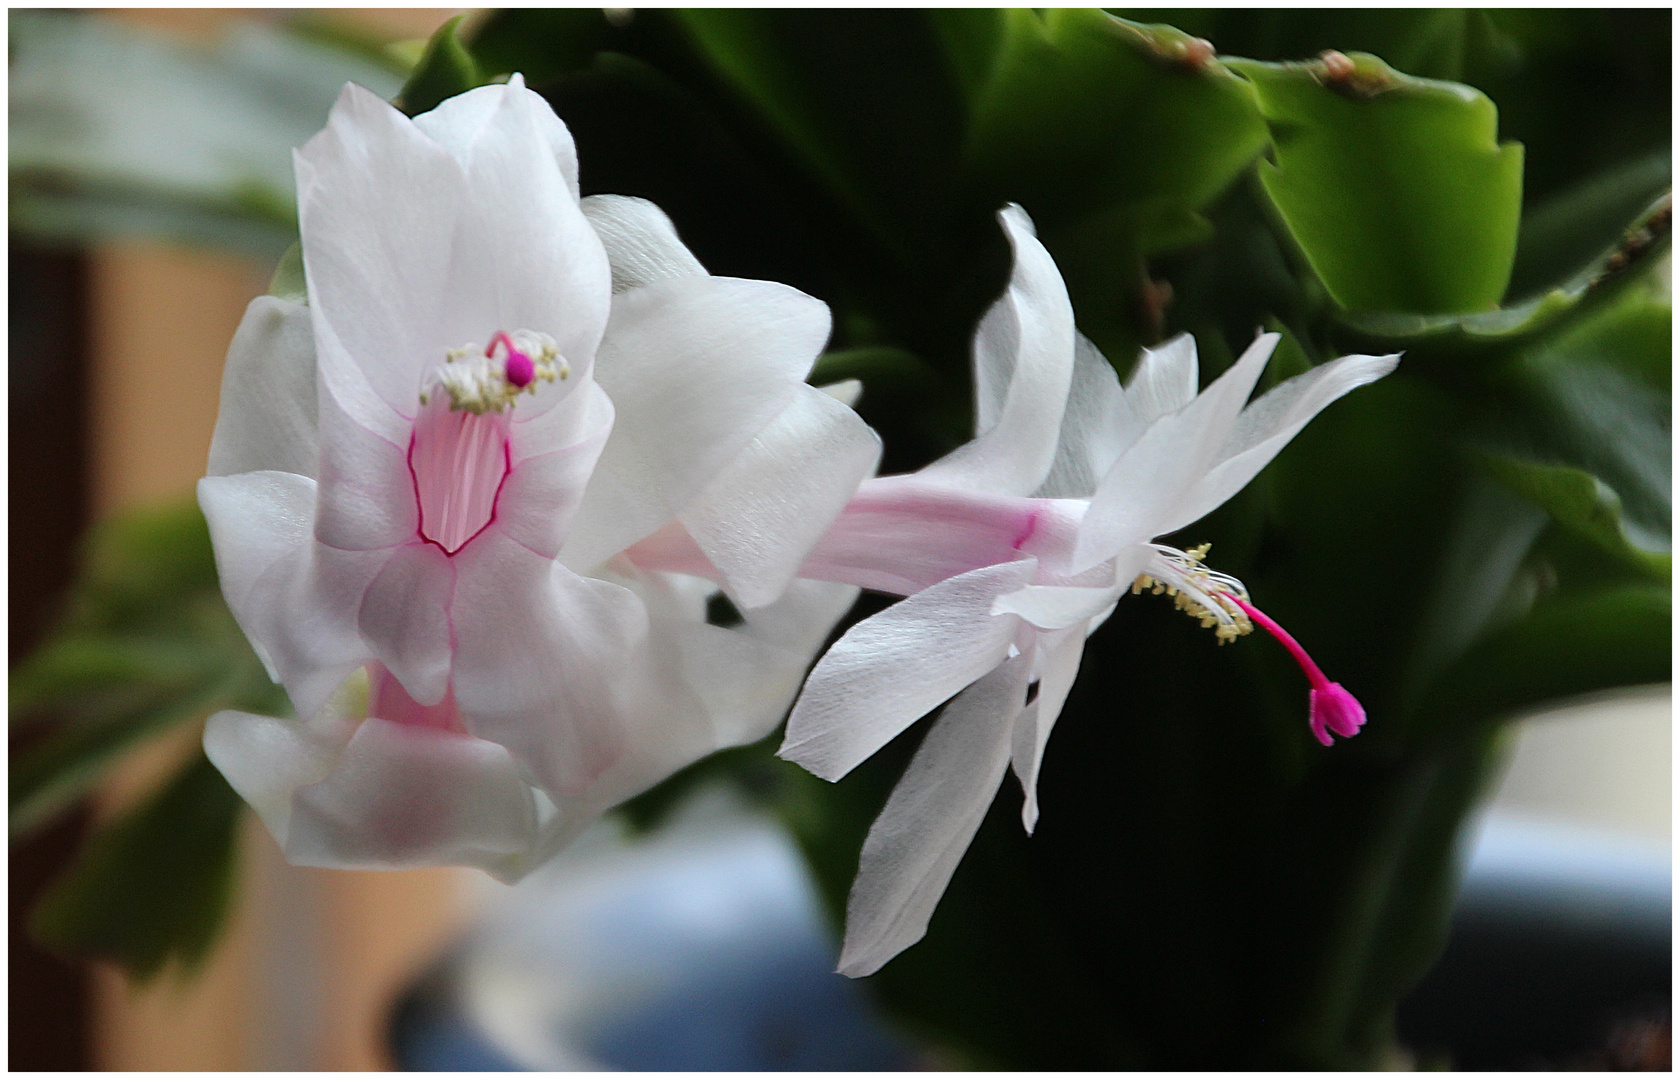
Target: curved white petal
{"x":1023,"y":365}
{"x":378,"y":209}
{"x":1057,"y":607}
{"x":1141,"y":495}
{"x":266,"y":759}
{"x":847,"y":391}
{"x":553,"y":459}
{"x":895,"y":667}
{"x":695,"y":368}
{"x":367,"y":496}
{"x":1267,"y":425}
{"x":1163,"y":382}
{"x":401,"y":796}
{"x":747,"y":675}
{"x":758,"y":518}
{"x":930,"y":819}
{"x":457,"y":121}
{"x":1057,"y":658}
{"x":641,"y":243}
{"x":294,"y":600}
{"x":540,"y":660}
{"x":522,"y":255}
{"x":267,"y":415}
{"x":1094,"y":429}
{"x":699,"y":688}
{"x":404,"y":618}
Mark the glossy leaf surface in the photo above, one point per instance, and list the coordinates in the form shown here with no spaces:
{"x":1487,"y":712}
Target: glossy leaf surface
{"x":1395,"y":188}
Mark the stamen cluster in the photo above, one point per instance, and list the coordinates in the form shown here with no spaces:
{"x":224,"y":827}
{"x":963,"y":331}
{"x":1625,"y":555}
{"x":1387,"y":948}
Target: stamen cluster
{"x":1205,"y":594}
{"x":478,"y":381}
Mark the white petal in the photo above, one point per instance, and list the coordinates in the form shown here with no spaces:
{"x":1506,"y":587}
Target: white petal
{"x":523,"y":256}
{"x":695,"y":368}
{"x":404,"y":618}
{"x":1057,"y":607}
{"x":267,"y":416}
{"x":847,"y":391}
{"x":930,"y":819}
{"x":895,"y":667}
{"x":457,"y":121}
{"x":1267,"y":425}
{"x":265,"y":760}
{"x":1164,"y":380}
{"x":540,"y":660}
{"x":295,"y":600}
{"x":701,"y":688}
{"x":641,"y":242}
{"x":1058,"y":656}
{"x":405,"y":796}
{"x":256,"y":519}
{"x":759,"y":517}
{"x":367,"y":498}
{"x":378,"y":203}
{"x":747,"y":675}
{"x":553,"y":459}
{"x":1094,"y":431}
{"x":1023,"y":366}
{"x":1140,"y":496}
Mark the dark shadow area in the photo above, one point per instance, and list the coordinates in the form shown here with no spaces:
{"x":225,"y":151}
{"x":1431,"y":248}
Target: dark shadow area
{"x":48,"y":476}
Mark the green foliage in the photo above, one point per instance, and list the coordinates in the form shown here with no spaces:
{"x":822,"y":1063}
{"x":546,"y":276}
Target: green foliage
{"x":445,"y":69}
{"x":153,"y":886}
{"x":146,"y":646}
{"x":1581,"y":502}
{"x":1394,"y":187}
{"x":1114,"y":136}
{"x":287,"y":282}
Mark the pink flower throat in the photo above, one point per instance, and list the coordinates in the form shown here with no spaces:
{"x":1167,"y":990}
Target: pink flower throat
{"x":459,"y":461}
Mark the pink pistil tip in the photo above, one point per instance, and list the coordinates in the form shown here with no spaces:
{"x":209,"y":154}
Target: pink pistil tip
{"x":518,"y":368}
{"x":1333,"y":709}
{"x":1330,"y":707}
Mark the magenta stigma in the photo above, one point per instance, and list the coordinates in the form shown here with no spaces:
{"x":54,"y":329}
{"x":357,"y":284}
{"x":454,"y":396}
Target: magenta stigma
{"x":519,"y":369}
{"x":1331,"y":707}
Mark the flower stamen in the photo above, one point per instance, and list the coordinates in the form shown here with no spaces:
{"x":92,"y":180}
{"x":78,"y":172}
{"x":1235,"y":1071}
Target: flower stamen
{"x":1198,"y":590}
{"x":478,"y":382}
{"x":1222,"y":604}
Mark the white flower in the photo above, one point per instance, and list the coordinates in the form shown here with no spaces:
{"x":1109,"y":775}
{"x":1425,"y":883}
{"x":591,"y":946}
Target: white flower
{"x":426,"y":476}
{"x":1013,"y":549}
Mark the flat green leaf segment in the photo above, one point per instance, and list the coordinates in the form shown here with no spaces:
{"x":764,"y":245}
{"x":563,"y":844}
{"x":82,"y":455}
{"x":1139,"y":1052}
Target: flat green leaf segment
{"x":1114,"y":135}
{"x":147,"y":645}
{"x":1394,"y":187}
{"x":1083,"y":113}
{"x":1595,"y":451}
{"x":154,"y":885}
{"x":1582,"y":503}
{"x":445,"y":69}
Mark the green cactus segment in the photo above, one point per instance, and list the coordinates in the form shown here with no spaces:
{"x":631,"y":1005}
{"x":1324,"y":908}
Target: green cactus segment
{"x":1394,"y":187}
{"x":154,"y":886}
{"x":445,"y":69}
{"x":1081,"y":112}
